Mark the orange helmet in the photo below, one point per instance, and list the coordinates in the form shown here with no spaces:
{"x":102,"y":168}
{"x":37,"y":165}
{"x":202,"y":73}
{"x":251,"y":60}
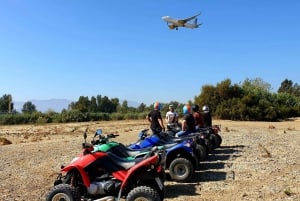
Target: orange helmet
{"x":157,"y":105}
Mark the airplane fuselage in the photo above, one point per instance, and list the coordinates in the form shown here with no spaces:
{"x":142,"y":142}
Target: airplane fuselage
{"x":174,"y":23}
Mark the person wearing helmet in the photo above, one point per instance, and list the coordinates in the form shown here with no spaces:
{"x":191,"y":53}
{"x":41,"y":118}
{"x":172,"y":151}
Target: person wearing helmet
{"x":198,"y":117}
{"x":171,"y":117}
{"x":188,"y":122}
{"x":155,"y":119}
{"x":207,"y":120}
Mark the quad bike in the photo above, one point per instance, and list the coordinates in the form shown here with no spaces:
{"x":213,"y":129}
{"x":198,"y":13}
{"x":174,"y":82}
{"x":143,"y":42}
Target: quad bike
{"x":202,"y":145}
{"x":208,"y":137}
{"x":181,"y":160}
{"x":215,"y":131}
{"x":101,"y":175}
{"x":212,"y":137}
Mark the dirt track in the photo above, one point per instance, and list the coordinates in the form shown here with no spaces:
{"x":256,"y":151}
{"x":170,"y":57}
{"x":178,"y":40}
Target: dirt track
{"x":257,"y":160}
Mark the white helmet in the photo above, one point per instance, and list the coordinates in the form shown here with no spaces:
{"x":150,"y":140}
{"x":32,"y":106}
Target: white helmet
{"x":205,"y":108}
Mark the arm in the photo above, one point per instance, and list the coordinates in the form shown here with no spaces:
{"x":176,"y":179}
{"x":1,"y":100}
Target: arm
{"x":161,"y":123}
{"x":184,"y":125}
{"x":148,"y":117}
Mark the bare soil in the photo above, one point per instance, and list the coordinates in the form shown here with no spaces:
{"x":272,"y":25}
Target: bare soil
{"x":256,"y":161}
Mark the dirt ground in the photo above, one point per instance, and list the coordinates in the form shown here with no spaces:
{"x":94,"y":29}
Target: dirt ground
{"x":256,"y":161}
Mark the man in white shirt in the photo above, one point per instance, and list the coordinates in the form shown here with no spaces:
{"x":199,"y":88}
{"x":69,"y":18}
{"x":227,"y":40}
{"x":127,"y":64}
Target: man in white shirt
{"x":171,"y":116}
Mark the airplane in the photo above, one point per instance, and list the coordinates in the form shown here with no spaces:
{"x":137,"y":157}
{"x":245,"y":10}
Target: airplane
{"x":175,"y":23}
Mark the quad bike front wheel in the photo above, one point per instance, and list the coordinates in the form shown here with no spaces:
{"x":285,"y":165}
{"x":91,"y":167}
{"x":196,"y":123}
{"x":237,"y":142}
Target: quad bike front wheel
{"x":143,"y":193}
{"x":62,"y":192}
{"x":181,"y":170}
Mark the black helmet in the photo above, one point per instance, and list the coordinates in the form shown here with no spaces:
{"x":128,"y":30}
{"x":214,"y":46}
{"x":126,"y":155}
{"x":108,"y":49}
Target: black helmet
{"x":195,"y":108}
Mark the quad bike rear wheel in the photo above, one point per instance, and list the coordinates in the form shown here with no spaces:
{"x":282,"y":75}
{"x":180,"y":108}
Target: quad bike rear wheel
{"x":201,"y":152}
{"x":220,"y":140}
{"x":215,"y":141}
{"x":62,"y":192}
{"x":208,"y":145}
{"x":143,"y":193}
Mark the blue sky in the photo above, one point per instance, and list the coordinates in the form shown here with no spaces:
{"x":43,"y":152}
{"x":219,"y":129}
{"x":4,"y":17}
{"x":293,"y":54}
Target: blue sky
{"x":71,"y":48}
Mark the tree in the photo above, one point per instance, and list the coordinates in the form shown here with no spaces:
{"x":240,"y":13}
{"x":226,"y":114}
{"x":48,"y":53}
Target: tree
{"x":124,"y":107}
{"x":141,"y":108}
{"x":287,"y":86}
{"x":83,"y":104}
{"x":28,"y":107}
{"x":105,"y":105}
{"x":93,"y":105}
{"x":6,"y":104}
{"x":256,"y":85}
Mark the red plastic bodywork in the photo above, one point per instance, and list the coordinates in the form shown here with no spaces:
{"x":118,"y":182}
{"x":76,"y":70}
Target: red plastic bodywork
{"x":84,"y":160}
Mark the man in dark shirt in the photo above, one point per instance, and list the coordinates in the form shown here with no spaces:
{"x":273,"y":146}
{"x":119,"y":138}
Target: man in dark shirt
{"x":155,"y":119}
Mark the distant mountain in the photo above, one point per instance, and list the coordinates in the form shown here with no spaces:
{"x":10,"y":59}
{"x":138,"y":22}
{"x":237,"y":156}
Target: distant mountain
{"x":56,"y":105}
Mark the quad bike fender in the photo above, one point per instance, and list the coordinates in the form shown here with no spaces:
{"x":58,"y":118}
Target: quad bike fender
{"x":148,"y":162}
{"x":79,"y":163}
{"x":84,"y":176}
{"x":181,"y":151}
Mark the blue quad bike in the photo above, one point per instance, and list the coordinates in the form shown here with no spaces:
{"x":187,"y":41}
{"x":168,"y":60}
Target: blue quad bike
{"x":198,"y":140}
{"x":182,"y":158}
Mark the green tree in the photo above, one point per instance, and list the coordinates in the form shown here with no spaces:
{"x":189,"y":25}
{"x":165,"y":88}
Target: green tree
{"x":106,"y":105}
{"x":141,"y":108}
{"x":6,"y":104}
{"x":93,"y":105}
{"x":287,"y":86}
{"x":124,"y":107}
{"x":28,"y":107}
{"x":83,"y":104}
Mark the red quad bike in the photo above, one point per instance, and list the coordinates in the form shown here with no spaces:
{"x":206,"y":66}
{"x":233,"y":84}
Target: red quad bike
{"x":104,"y":176}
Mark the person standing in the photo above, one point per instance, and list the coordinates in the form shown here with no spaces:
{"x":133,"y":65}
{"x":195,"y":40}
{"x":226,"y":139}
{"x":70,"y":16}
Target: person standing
{"x":155,"y":119}
{"x":171,"y":116}
{"x":207,"y":120}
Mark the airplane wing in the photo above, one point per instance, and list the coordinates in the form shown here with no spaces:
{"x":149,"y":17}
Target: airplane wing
{"x":188,"y":19}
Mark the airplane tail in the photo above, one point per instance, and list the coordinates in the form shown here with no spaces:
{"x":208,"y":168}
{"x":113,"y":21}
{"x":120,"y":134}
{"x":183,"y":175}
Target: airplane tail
{"x":196,"y":23}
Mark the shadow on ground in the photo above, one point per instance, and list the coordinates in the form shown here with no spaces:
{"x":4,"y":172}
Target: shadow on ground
{"x":212,"y":169}
{"x":178,"y":189}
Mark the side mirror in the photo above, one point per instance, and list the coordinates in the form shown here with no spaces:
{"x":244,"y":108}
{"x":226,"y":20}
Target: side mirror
{"x":98,"y":132}
{"x":84,"y":136}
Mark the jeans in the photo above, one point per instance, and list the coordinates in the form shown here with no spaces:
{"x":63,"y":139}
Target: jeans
{"x":183,"y":133}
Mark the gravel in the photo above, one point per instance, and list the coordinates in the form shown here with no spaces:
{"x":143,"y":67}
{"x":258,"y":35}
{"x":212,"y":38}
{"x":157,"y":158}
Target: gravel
{"x":256,"y":161}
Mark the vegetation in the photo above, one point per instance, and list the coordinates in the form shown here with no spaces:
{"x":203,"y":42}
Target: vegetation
{"x":250,"y":100}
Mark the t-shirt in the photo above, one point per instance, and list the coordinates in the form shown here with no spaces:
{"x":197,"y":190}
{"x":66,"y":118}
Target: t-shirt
{"x":190,"y":122}
{"x":155,"y":115}
{"x":170,"y":116}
